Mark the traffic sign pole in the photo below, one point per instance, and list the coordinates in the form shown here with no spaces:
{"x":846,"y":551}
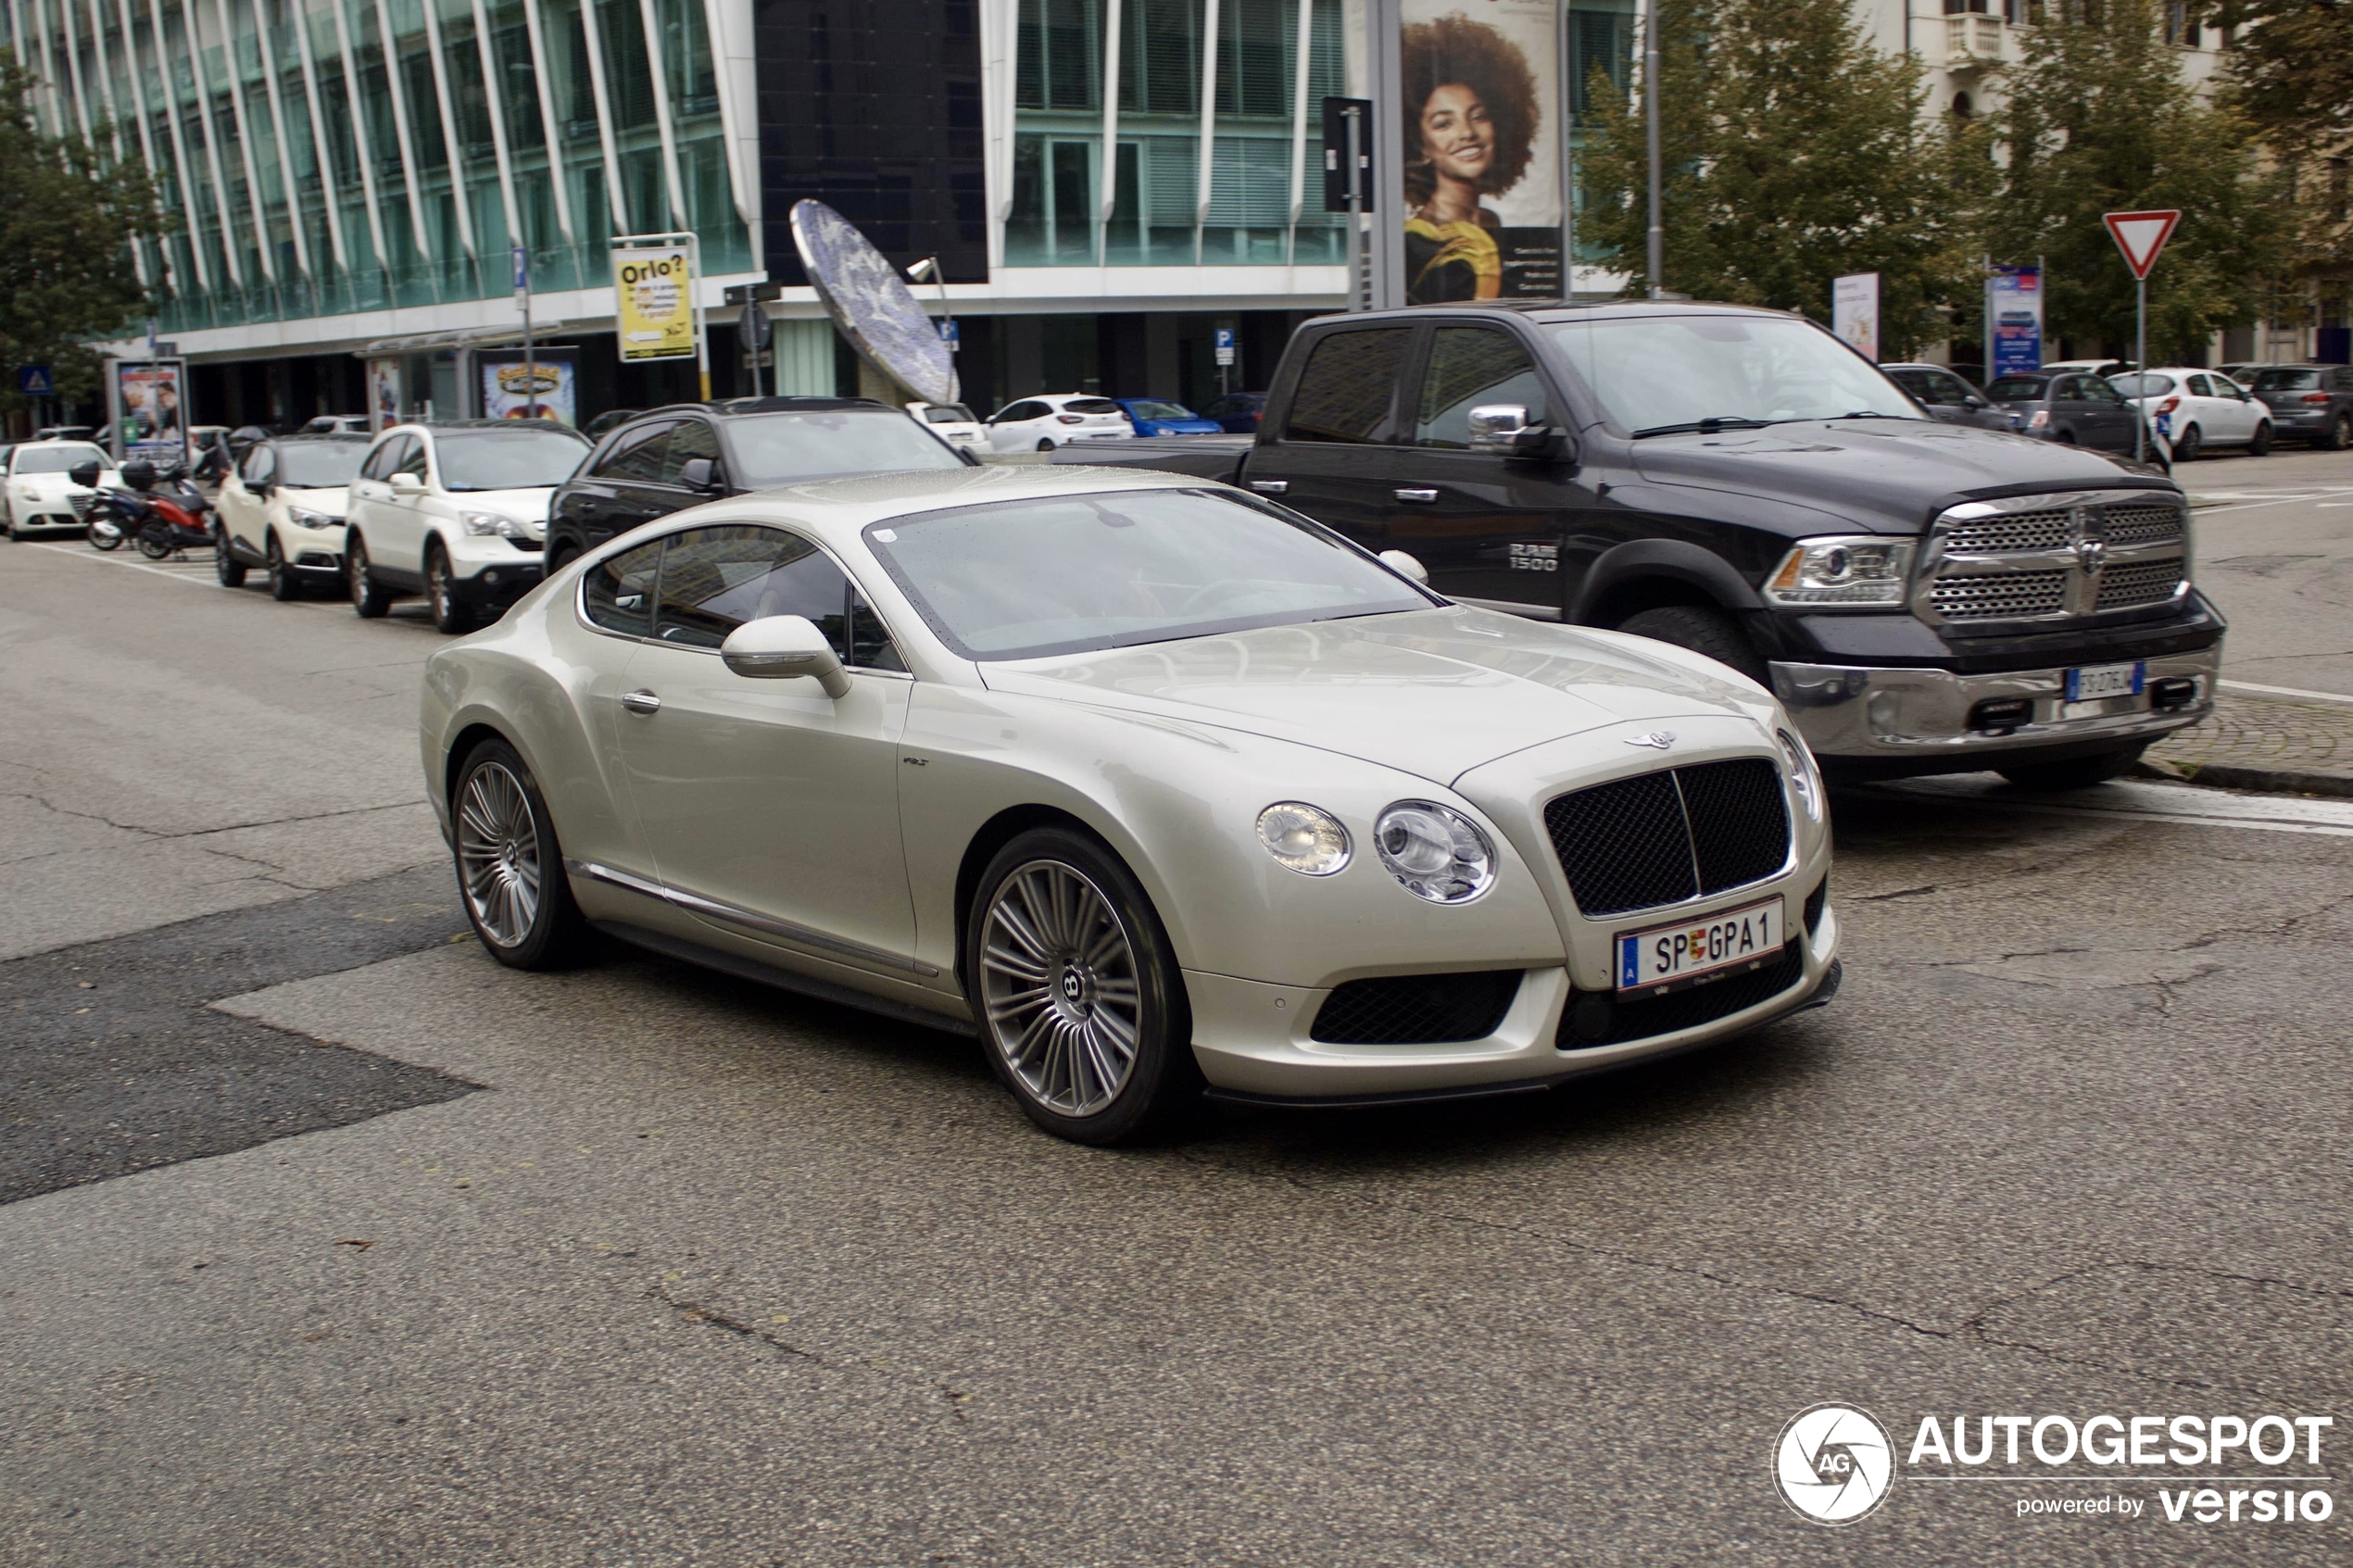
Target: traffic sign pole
{"x":2141,"y":236}
{"x":2140,"y":363}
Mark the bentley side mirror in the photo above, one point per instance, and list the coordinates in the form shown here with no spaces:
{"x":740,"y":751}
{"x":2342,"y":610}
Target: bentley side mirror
{"x":698,"y":473}
{"x":84,"y":474}
{"x":406,"y":484}
{"x":1398,"y":562}
{"x":1502,"y":429}
{"x":777,"y":647}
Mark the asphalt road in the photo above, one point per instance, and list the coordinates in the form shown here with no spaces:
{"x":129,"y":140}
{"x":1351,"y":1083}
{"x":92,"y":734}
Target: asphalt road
{"x":384,"y":1254}
{"x":2272,"y":550}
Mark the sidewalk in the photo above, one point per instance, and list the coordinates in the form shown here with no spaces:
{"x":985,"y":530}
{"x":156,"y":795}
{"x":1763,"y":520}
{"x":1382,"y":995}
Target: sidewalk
{"x":2276,"y":744}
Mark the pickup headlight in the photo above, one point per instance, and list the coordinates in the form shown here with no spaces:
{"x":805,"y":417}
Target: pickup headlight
{"x":1865,"y":569}
{"x":1308,"y":839}
{"x":1436,"y":851}
{"x":303,"y":517}
{"x":483,"y":524}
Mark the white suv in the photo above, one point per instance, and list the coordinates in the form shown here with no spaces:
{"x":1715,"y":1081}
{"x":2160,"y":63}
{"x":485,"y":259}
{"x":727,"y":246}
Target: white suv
{"x":455,"y":511}
{"x":281,"y":510}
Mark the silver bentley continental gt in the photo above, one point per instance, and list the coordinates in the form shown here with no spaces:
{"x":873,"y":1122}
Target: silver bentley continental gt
{"x":1155,"y":787}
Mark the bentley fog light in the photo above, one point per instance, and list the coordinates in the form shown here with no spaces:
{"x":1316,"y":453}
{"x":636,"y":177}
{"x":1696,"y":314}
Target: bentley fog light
{"x":1436,"y":851}
{"x":1862,"y":570}
{"x":1805,"y":777}
{"x":1306,"y":838}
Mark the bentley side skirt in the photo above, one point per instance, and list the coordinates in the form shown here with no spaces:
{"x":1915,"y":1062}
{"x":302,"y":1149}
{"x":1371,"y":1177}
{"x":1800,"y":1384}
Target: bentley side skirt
{"x":783,"y":930}
{"x":783,"y":979}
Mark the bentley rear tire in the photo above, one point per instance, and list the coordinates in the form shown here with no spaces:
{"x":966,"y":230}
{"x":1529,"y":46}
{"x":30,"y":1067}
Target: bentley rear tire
{"x":510,"y":868}
{"x":1081,"y":1005}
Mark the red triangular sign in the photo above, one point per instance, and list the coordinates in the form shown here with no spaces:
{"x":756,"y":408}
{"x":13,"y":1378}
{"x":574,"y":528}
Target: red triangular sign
{"x":2140,"y":235}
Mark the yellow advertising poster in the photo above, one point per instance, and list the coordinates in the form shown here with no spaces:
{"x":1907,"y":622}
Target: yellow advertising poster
{"x":654,"y":293}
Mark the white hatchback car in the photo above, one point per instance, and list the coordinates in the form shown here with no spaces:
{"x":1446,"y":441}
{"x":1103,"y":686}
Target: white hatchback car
{"x":953,"y":423}
{"x":456,"y":511}
{"x":282,"y":509}
{"x":2196,"y":408}
{"x":38,"y":495}
{"x":1057,"y":418}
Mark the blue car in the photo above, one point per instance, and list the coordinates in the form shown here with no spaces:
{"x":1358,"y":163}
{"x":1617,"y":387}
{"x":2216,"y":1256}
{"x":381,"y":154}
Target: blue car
{"x":1152,"y":416}
{"x":1237,"y":412}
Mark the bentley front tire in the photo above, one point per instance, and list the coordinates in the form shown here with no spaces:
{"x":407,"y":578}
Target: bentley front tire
{"x":1081,"y":1005}
{"x":511,"y":869}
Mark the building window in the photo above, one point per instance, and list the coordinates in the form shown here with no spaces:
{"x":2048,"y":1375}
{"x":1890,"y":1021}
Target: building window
{"x":2181,"y":24}
{"x":1962,"y":107}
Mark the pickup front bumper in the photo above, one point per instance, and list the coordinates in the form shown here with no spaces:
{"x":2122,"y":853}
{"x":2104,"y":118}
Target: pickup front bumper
{"x":1918,"y":721}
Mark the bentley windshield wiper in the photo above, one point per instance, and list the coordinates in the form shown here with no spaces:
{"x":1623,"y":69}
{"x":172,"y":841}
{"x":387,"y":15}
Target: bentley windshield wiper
{"x":1705,"y":427}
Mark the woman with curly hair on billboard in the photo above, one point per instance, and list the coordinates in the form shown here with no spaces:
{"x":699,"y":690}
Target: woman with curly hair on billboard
{"x":1472,"y":109}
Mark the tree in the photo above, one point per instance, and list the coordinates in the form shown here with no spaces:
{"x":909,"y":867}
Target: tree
{"x":2292,"y":62}
{"x":67,"y":220}
{"x":2097,"y":119}
{"x":1794,"y":152}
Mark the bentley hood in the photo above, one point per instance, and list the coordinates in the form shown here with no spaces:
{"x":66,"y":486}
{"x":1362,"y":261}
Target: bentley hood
{"x":1887,"y":476}
{"x":1434,"y":693}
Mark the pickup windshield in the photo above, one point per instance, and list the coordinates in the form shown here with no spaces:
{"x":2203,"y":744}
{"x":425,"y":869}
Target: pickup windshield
{"x":1655,"y":375}
{"x":1070,"y":575}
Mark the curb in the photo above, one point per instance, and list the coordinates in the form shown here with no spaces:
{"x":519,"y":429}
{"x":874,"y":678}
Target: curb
{"x":2263,"y":781}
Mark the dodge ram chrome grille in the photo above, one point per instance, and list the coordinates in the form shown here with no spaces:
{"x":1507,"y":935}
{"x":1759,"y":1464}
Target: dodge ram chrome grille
{"x":2052,"y":557}
{"x":1667,"y":837}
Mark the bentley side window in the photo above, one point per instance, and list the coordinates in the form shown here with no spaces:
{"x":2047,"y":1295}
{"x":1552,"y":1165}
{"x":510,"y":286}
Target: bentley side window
{"x":716,"y":579}
{"x":619,"y":590}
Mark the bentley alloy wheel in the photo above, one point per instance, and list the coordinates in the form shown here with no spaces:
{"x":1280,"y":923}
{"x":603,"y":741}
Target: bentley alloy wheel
{"x":508,"y":864}
{"x":1078,"y":998}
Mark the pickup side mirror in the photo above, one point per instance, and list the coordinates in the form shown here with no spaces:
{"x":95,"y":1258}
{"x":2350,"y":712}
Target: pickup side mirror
{"x":84,"y":475}
{"x":777,"y":647}
{"x":406,"y":484}
{"x":1398,"y":562}
{"x":698,"y":473}
{"x":1502,"y":429}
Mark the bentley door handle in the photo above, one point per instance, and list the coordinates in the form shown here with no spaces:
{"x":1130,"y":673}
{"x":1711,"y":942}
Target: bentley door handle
{"x":642,"y":702}
{"x":1415,"y":494}
{"x":1270,"y":487}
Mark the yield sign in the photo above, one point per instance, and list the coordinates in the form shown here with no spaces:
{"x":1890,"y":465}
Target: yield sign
{"x":2140,"y":235}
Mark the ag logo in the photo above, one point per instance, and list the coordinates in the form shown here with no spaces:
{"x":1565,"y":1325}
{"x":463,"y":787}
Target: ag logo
{"x":1833,"y":1463}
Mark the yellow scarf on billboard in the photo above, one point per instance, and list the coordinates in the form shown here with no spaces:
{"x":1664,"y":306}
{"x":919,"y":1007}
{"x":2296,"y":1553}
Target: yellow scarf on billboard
{"x":1445,"y":247}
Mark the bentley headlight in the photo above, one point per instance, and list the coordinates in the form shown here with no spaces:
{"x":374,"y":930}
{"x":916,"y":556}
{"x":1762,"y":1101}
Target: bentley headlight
{"x":1805,"y":777}
{"x":1866,"y":570}
{"x":1306,"y":838}
{"x":484,"y":523}
{"x":1436,"y":851}
{"x":303,"y":517}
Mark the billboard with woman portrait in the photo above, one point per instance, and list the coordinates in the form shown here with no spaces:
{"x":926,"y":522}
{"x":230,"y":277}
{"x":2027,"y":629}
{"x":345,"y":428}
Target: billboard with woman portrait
{"x":1482,"y":130}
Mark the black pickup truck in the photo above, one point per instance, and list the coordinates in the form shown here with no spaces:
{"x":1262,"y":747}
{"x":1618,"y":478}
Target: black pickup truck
{"x":1923,"y":597}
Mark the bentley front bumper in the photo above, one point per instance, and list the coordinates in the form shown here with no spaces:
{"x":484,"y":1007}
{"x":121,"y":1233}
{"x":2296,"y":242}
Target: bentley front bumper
{"x":1934,"y":717}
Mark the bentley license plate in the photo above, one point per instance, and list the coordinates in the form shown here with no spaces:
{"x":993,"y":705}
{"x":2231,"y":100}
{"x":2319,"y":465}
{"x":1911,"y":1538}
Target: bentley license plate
{"x":1668,"y":957}
{"x":2105,"y":679}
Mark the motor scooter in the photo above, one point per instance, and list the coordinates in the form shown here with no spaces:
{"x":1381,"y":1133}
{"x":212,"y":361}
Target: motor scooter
{"x":161,"y":512}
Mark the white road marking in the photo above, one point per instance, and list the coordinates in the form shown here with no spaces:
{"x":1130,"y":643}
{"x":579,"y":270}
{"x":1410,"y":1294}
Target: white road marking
{"x":2183,"y":803}
{"x":193,"y":574}
{"x":2285,"y":691}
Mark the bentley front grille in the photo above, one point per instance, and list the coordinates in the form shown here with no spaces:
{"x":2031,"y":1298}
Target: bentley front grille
{"x":1666,"y":838}
{"x":1405,"y":1010}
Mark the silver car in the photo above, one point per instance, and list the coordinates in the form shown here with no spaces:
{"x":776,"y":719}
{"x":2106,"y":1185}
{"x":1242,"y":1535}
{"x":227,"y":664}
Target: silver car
{"x":1155,"y":787}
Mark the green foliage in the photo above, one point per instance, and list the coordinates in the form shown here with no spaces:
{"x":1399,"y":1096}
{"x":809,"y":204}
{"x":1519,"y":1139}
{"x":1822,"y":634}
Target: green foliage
{"x":2097,"y":119}
{"x":65,"y":220}
{"x":2292,"y":63}
{"x":1795,"y":152}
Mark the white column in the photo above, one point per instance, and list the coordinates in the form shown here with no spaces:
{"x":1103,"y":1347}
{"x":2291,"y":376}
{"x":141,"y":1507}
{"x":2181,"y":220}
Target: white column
{"x":286,"y":149}
{"x":146,"y":131}
{"x":593,"y":34}
{"x":114,"y":117}
{"x":47,"y":71}
{"x":179,"y":139}
{"x":396,"y":90}
{"x":211,"y":140}
{"x":360,"y":151}
{"x":495,"y":98}
{"x":453,"y":152}
{"x":657,"y":70}
{"x":1207,"y":151}
{"x":1108,"y":191}
{"x":1306,"y":43}
{"x":735,"y":61}
{"x":321,"y":150}
{"x":999,"y":43}
{"x":245,"y":144}
{"x":547,"y":84}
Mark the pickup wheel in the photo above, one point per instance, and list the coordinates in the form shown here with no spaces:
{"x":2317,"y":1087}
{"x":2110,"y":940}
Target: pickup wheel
{"x":2081,"y":772}
{"x":1702,"y":630}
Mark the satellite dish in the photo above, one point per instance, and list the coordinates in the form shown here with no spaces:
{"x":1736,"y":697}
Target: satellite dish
{"x":871,"y":304}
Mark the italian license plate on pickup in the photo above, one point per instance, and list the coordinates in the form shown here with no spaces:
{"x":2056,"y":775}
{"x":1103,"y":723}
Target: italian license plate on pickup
{"x":1668,"y":958}
{"x":2094,"y":681}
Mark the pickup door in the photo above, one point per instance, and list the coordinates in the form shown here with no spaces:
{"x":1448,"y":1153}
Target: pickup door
{"x":1376,"y":443}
